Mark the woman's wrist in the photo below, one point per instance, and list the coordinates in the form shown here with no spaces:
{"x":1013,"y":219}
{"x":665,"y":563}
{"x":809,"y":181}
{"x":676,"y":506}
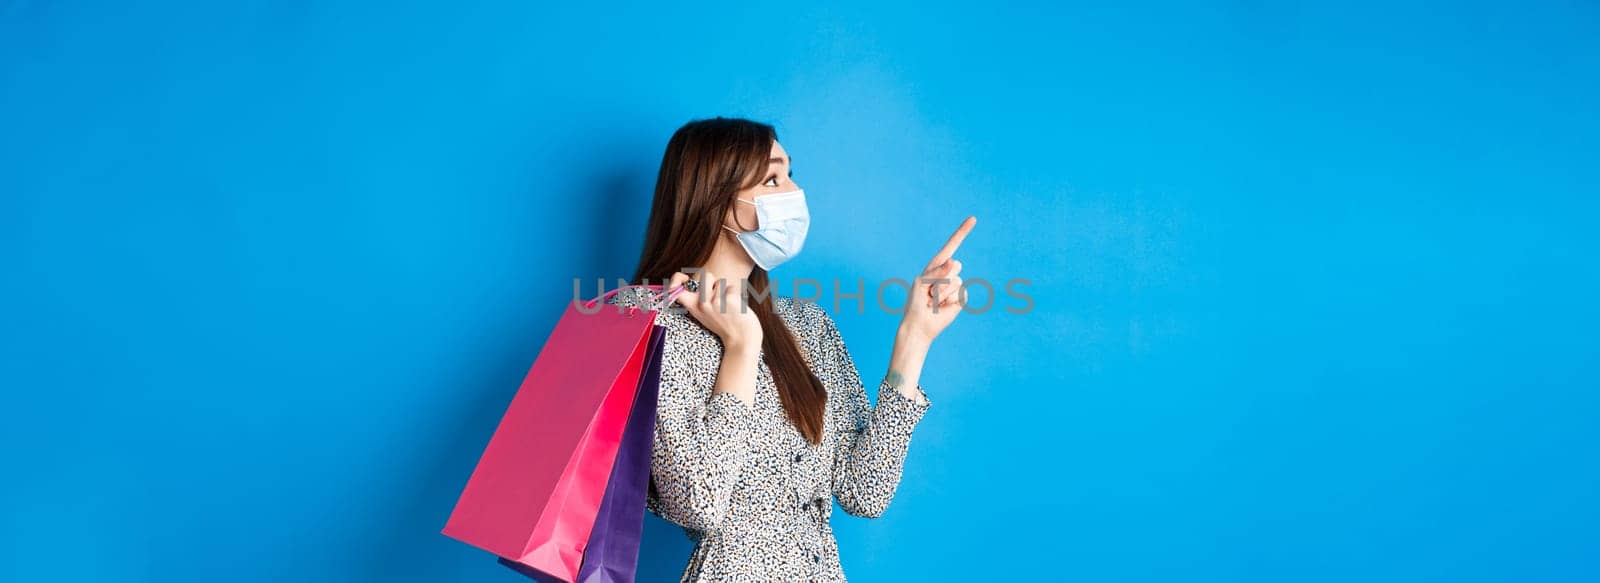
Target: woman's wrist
{"x":907,"y":338}
{"x":905,"y":362}
{"x":741,"y":348}
{"x":737,"y":372}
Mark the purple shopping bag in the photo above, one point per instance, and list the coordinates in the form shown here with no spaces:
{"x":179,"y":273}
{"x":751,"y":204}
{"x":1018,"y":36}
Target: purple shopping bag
{"x":612,"y":553}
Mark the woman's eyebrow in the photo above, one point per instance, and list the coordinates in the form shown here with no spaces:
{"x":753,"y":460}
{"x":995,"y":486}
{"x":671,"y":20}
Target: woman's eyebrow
{"x":777,"y":160}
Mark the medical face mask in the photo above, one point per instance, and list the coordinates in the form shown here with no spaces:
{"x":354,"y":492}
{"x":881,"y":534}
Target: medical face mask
{"x":782,"y":221}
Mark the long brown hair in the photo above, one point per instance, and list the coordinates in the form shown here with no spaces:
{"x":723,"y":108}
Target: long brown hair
{"x":708,"y":161}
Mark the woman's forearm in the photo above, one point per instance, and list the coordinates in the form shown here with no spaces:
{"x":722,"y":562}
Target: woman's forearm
{"x":905,"y":363}
{"x":737,"y":373}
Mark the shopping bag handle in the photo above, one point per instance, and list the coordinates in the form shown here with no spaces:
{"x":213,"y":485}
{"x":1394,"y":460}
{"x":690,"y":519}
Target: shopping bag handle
{"x":658,"y":305}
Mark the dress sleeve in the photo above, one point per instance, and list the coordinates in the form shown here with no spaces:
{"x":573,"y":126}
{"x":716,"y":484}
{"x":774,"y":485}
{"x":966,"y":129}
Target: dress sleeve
{"x":871,"y":450}
{"x":702,"y":445}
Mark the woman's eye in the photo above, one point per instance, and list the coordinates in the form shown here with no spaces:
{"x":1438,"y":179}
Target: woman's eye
{"x":771,"y":181}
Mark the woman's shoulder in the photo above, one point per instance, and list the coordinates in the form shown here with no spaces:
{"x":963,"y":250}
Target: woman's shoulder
{"x":816,"y":334}
{"x":805,"y":317}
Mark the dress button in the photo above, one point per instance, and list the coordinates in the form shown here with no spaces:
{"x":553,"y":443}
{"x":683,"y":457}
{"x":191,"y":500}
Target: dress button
{"x":816,"y":558}
{"x":799,"y":456}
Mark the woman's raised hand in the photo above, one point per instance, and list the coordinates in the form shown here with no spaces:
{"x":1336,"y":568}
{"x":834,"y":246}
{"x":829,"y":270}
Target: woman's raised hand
{"x":719,"y":305}
{"x":933,"y":305}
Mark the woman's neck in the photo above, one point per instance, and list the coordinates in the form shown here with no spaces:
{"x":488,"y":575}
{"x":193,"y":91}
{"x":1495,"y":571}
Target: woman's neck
{"x":729,"y":261}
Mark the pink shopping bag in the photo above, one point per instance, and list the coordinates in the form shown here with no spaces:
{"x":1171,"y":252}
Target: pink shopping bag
{"x":536,"y":490}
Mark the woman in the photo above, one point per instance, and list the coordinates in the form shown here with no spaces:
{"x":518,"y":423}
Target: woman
{"x":763,"y":419}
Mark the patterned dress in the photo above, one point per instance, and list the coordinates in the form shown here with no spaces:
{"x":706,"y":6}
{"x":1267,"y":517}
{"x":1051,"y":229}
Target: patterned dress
{"x":748,"y":489}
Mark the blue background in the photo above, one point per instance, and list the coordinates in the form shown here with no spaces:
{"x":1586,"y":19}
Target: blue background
{"x":1313,"y":284}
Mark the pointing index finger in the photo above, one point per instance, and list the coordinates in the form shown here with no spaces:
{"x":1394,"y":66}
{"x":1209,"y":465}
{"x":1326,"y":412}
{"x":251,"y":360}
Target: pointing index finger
{"x":951,"y":245}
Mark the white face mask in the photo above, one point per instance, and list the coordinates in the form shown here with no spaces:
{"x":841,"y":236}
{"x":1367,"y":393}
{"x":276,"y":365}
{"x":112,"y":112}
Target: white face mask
{"x":782,"y":221}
